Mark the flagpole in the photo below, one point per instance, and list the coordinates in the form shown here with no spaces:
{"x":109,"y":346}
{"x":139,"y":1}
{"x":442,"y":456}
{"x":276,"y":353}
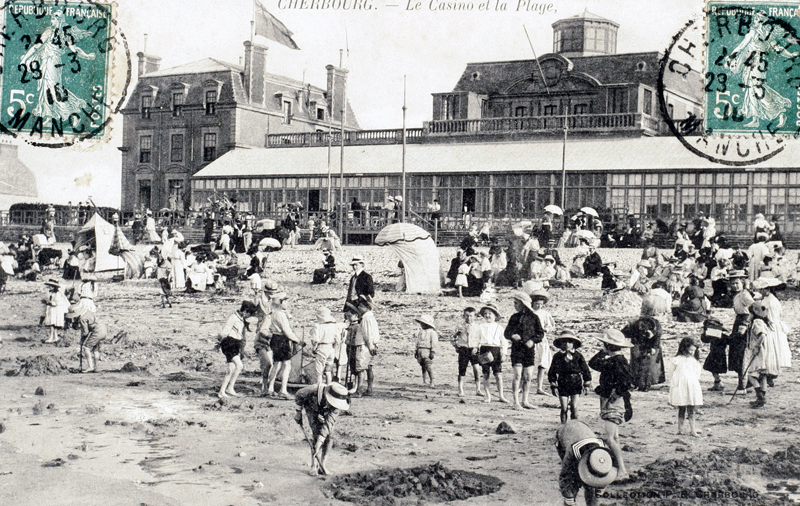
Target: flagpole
{"x":403,"y":203}
{"x":341,"y":154}
{"x":253,"y":23}
{"x":330,"y":138}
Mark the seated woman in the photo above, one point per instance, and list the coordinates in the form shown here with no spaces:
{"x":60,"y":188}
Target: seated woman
{"x":692,"y":306}
{"x":720,"y":284}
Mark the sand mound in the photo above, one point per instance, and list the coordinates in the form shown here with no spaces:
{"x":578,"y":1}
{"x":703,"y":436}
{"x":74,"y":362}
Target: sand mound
{"x":704,"y":479}
{"x":42,"y":365}
{"x":621,"y":303}
{"x":433,"y":483}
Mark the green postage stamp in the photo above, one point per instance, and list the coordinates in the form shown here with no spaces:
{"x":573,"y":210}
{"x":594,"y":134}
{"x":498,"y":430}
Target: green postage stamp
{"x":54,"y":79}
{"x":752,"y":79}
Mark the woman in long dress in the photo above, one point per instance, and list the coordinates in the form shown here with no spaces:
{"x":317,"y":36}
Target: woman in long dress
{"x":766,"y":286}
{"x":647,"y":358}
{"x":761,"y":357}
{"x":178,"y":277}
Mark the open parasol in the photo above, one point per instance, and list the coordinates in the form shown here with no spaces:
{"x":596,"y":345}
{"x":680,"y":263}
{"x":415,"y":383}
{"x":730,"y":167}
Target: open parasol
{"x":269,"y":244}
{"x":585,"y":234}
{"x":554,"y":209}
{"x":589,"y":211}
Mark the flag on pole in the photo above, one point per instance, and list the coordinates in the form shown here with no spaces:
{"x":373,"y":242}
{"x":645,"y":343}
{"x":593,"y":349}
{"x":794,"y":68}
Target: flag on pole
{"x":270,"y":27}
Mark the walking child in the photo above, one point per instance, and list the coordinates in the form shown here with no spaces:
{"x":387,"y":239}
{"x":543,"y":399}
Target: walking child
{"x":684,"y":387}
{"x":569,"y":375}
{"x":467,"y":341}
{"x":426,"y":339}
{"x":56,"y":306}
{"x":232,"y":345}
{"x":614,"y":388}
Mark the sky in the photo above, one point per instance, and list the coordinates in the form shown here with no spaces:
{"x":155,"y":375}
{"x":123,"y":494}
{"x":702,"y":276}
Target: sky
{"x":418,"y":39}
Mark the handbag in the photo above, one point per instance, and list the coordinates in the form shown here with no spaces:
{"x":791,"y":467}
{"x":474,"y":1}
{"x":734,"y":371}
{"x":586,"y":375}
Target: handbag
{"x":485,"y":358}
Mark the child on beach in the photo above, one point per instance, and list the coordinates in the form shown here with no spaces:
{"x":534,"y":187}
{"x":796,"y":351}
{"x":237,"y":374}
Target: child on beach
{"x":461,"y":278}
{"x":569,"y":375}
{"x":493,"y":346}
{"x":544,"y":355}
{"x":467,"y":341}
{"x":92,"y":333}
{"x":425,"y":341}
{"x":614,"y":388}
{"x":232,"y":345}
{"x":523,"y":331}
{"x":56,"y":306}
{"x":684,"y":387}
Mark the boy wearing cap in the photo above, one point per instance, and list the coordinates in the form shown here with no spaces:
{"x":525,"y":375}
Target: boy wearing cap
{"x":232,"y":345}
{"x":569,"y":374}
{"x":585,"y":462}
{"x":467,"y":341}
{"x":425,"y":341}
{"x":322,"y":405}
{"x":614,"y":388}
{"x":92,"y":332}
{"x":523,"y":330}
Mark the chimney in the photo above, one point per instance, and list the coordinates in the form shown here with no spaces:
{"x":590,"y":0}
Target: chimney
{"x":255,"y":67}
{"x":337,"y":78}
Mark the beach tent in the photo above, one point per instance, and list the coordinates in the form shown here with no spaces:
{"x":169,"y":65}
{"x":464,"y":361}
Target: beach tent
{"x":419,"y":255}
{"x":112,"y":250}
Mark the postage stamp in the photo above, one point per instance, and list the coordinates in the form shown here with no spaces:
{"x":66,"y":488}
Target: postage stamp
{"x":752,"y":68}
{"x":56,"y":65}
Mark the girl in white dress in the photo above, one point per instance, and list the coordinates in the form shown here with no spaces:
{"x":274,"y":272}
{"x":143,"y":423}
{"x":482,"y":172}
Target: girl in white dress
{"x":544,"y":355}
{"x":684,"y":388}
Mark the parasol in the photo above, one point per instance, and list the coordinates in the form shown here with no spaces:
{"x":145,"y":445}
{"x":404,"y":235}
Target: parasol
{"x":585,"y":234}
{"x":554,"y":209}
{"x":269,"y":244}
{"x":589,"y":211}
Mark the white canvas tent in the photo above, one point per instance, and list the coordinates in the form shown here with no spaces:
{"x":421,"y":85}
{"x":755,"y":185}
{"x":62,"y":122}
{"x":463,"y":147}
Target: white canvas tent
{"x":419,"y":255}
{"x":99,"y":233}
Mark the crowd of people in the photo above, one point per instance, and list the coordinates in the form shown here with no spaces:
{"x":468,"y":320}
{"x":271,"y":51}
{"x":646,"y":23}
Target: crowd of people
{"x":700,"y":275}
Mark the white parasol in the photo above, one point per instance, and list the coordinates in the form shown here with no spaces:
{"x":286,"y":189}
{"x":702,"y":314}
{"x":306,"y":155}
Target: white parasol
{"x":589,"y":211}
{"x":554,"y":209}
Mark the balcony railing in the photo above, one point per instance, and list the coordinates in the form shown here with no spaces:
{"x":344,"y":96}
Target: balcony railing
{"x":544,"y":124}
{"x":437,"y":131}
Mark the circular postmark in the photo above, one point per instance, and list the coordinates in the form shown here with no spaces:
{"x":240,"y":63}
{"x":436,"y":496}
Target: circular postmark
{"x":739,"y":74}
{"x":58,"y":84}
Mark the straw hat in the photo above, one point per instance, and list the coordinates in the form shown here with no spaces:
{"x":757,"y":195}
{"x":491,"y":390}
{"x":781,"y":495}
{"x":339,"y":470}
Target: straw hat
{"x":324,"y":315}
{"x":324,"y":229}
{"x":760,"y":309}
{"x":426,"y":319}
{"x":357,"y":259}
{"x":762,"y":282}
{"x":390,"y":199}
{"x":270,"y":287}
{"x":644,"y":263}
{"x":336,"y":395}
{"x":616,"y":338}
{"x":596,"y":468}
{"x":252,"y":320}
{"x":53,"y":283}
{"x":76,"y":310}
{"x":524,"y":299}
{"x":549,"y":258}
{"x":279,"y":297}
{"x":491,"y":307}
{"x":568,"y":335}
{"x":737,"y":275}
{"x":540,"y":294}
{"x":399,"y":198}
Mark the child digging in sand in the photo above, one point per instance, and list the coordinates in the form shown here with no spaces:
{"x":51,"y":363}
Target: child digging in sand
{"x":232,"y":345}
{"x":684,"y":387}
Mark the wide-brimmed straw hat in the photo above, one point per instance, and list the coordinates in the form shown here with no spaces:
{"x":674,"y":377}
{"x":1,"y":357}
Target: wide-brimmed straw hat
{"x":76,"y":310}
{"x":523,"y":298}
{"x":279,"y":296}
{"x":270,"y":287}
{"x":760,"y":309}
{"x":54,"y":283}
{"x":324,"y":228}
{"x":737,"y":274}
{"x":324,"y":315}
{"x":336,"y":395}
{"x":426,"y":319}
{"x":616,"y":338}
{"x":762,"y":282}
{"x":493,"y":308}
{"x":644,"y":263}
{"x":540,"y":294}
{"x":596,"y":468}
{"x":549,"y":258}
{"x":357,"y":259}
{"x":568,"y":335}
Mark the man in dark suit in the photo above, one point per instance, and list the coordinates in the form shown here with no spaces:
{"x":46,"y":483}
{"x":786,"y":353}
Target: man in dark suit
{"x":360,"y":285}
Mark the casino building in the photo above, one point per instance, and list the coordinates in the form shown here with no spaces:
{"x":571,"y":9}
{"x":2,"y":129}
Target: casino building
{"x":510,"y":137}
